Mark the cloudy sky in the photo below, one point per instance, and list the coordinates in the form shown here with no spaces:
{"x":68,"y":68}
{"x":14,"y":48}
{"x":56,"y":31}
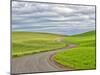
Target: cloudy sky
{"x":52,"y":18}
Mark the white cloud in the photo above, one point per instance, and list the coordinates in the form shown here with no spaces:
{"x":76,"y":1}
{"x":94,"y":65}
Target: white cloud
{"x":63,"y":9}
{"x":46,"y":17}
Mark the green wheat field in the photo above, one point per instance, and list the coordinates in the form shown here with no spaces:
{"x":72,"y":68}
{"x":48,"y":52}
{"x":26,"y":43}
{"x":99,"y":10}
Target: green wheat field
{"x":82,"y":56}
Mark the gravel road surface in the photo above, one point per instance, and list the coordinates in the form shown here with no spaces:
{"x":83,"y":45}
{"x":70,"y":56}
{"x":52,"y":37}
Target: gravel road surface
{"x":40,"y":62}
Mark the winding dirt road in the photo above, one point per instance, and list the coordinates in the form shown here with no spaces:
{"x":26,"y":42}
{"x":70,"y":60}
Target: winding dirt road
{"x":40,"y":62}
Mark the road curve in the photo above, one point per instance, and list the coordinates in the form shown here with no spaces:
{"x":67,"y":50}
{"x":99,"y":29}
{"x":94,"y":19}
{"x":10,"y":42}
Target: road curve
{"x":39,"y":62}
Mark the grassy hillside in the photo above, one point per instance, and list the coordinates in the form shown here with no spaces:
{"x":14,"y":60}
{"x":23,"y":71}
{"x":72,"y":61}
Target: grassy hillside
{"x":83,"y":55}
{"x":30,"y":42}
{"x":80,"y":57}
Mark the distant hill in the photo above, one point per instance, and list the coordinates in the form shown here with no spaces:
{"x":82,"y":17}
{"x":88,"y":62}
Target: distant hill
{"x":86,"y":33}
